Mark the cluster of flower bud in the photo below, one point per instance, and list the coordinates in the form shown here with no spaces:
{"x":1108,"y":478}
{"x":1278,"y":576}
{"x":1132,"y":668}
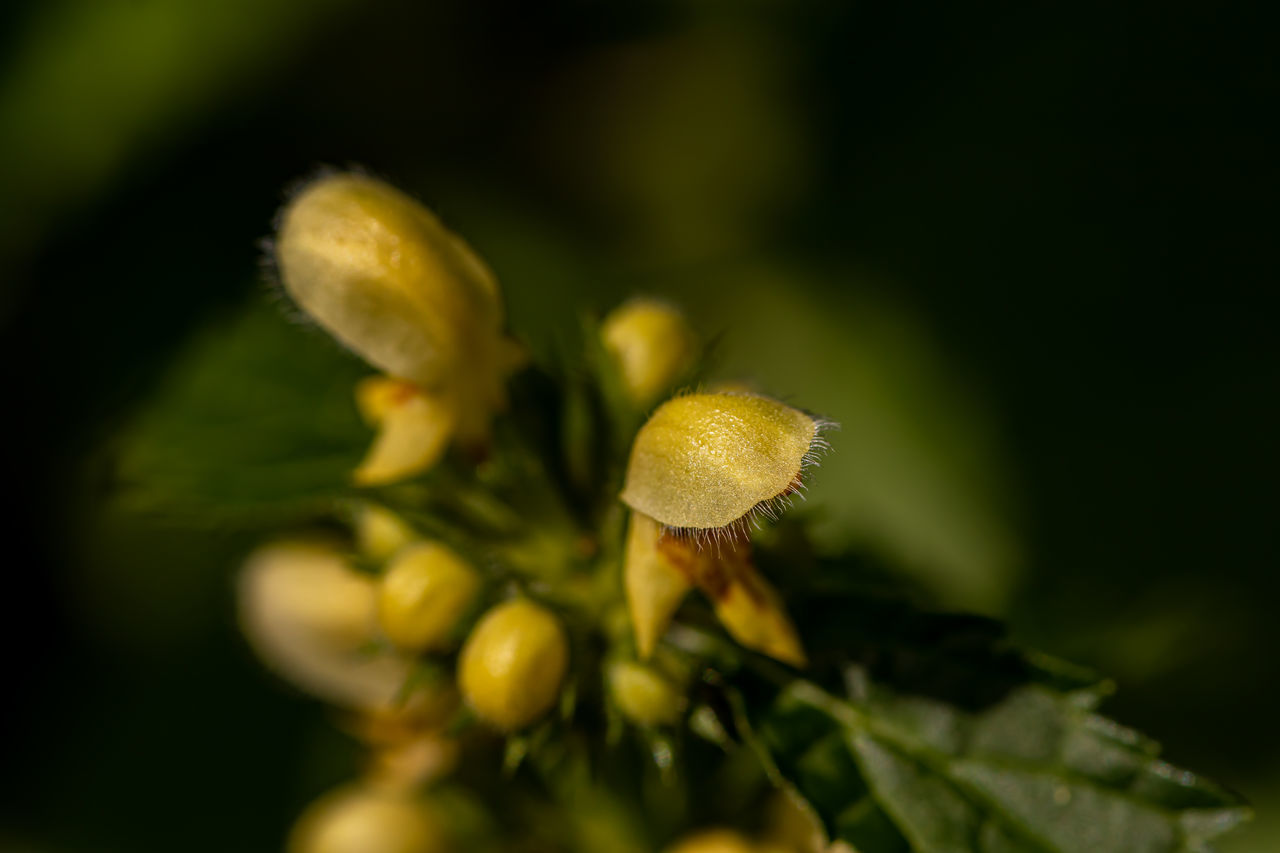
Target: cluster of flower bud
{"x":382,"y":275}
{"x":352,"y":639}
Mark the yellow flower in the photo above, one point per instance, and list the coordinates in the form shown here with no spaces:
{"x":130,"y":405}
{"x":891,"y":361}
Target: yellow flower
{"x":653,"y":345}
{"x":711,"y":462}
{"x":512,"y":665}
{"x":386,"y":278}
{"x":381,"y":274}
{"x":423,"y":596}
{"x":310,"y":616}
{"x":359,"y":819}
{"x":644,"y":695}
{"x":701,"y":469}
{"x":662,"y":565}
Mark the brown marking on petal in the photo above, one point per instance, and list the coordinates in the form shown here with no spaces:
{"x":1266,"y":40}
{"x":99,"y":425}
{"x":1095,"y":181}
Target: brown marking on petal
{"x":711,"y":569}
{"x":403,"y":391}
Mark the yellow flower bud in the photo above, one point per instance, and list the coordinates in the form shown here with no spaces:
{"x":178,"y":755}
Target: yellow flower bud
{"x":424,"y":595}
{"x":383,"y":276}
{"x":644,"y":696}
{"x":380,"y":533}
{"x":512,"y":665}
{"x":310,"y":616}
{"x":653,"y":345}
{"x":714,"y":841}
{"x":359,"y":819}
{"x":709,"y":461}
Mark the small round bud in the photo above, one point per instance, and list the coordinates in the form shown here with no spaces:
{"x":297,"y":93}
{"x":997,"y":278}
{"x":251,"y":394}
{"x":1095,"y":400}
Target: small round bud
{"x":653,"y":345}
{"x":512,"y":665}
{"x":707,"y":461}
{"x":714,"y":841}
{"x":424,"y":595}
{"x":359,"y":819}
{"x":643,"y":695}
{"x":381,"y":274}
{"x":380,"y":533}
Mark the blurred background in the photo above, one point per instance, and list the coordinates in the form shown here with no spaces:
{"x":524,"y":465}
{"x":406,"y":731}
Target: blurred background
{"x":1024,"y":253}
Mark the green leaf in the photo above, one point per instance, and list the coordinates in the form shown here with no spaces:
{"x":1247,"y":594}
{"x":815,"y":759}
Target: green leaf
{"x":1037,"y":770}
{"x":254,"y":425}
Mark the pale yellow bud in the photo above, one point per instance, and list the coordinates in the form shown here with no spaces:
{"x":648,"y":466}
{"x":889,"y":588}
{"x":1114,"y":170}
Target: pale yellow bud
{"x":383,"y":276}
{"x":512,"y":666}
{"x":414,"y":429}
{"x":360,"y":819}
{"x":380,"y":533}
{"x":310,"y":616}
{"x":422,"y":598}
{"x":714,"y":841}
{"x":653,"y":345}
{"x":643,"y":695}
{"x":708,"y":461}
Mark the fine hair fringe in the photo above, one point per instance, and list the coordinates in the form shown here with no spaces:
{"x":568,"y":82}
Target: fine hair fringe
{"x":771,"y":509}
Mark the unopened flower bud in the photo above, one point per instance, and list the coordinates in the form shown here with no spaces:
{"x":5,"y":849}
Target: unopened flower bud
{"x":653,"y":345}
{"x":709,"y":461}
{"x":310,"y":616}
{"x":360,"y":819}
{"x":380,"y":533}
{"x":643,"y":695}
{"x":424,"y":595}
{"x":382,"y":275}
{"x":512,"y":666}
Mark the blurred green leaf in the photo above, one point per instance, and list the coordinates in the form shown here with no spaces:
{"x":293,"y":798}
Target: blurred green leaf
{"x":254,"y":425}
{"x":1037,"y":770}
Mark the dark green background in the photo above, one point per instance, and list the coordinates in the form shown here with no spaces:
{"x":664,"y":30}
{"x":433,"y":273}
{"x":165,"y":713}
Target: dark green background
{"x":1026,"y":252}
